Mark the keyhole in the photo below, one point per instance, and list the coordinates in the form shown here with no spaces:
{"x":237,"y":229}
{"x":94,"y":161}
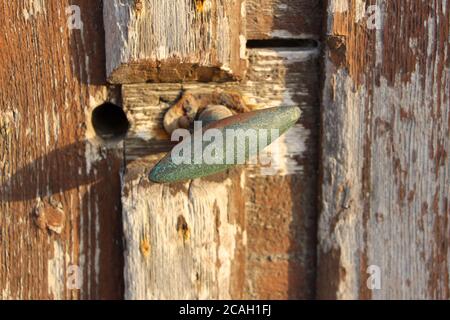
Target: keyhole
{"x":110,"y":122}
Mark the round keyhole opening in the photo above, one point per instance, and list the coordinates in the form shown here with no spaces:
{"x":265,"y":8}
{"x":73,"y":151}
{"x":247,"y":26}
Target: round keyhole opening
{"x":110,"y":122}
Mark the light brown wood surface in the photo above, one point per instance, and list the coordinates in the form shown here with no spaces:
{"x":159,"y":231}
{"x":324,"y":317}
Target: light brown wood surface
{"x":173,"y":41}
{"x":385,"y":179}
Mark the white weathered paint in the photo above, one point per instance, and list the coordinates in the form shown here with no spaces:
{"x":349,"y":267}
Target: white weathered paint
{"x":339,"y":6}
{"x":243,"y":46}
{"x":282,"y":153}
{"x":194,"y":265}
{"x":360,"y":10}
{"x":46,"y":129}
{"x":56,"y":271}
{"x":33,"y":8}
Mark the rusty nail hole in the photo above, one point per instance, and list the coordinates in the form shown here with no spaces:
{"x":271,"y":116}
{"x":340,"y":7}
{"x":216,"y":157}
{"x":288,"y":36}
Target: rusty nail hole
{"x":138,"y":6}
{"x":183,"y":228}
{"x":110,"y":122}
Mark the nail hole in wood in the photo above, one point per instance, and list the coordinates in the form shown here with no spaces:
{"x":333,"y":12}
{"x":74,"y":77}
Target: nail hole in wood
{"x":183,"y":228}
{"x":110,"y":122}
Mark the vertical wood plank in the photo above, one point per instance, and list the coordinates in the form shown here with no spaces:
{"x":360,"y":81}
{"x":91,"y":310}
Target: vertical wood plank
{"x":183,"y":241}
{"x":385,"y":184}
{"x":281,"y":207}
{"x":60,"y":193}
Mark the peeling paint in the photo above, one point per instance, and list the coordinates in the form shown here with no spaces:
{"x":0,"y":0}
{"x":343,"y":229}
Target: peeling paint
{"x":339,"y":6}
{"x":386,"y":136}
{"x":360,"y":10}
{"x":33,"y":8}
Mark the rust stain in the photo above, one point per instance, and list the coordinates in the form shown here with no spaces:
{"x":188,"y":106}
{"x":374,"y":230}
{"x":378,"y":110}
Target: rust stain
{"x":200,"y":5}
{"x":401,"y":58}
{"x":138,"y":6}
{"x":145,"y":247}
{"x":364,"y":292}
{"x":176,"y":188}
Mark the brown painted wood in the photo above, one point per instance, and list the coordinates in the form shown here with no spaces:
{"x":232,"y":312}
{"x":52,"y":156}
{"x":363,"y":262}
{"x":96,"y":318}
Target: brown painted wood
{"x":385,"y":177}
{"x":60,"y":193}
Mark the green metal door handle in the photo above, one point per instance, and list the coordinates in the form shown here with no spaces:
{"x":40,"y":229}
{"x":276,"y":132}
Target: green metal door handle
{"x":223,"y":142}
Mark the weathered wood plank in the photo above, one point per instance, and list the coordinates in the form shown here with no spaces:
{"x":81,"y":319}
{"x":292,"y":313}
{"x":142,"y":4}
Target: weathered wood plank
{"x":386,"y":143}
{"x":54,"y":214}
{"x":295,"y":19}
{"x":183,"y":241}
{"x":276,"y":77}
{"x":172,"y":41}
{"x":281,"y":207}
{"x":194,"y":231}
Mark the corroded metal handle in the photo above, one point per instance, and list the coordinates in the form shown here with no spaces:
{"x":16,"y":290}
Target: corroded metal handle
{"x":243,"y":136}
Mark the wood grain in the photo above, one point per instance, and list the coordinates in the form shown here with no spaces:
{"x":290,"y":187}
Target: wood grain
{"x":295,"y":19}
{"x":195,"y":230}
{"x":281,"y":207}
{"x":385,"y":151}
{"x":183,"y":269}
{"x":173,"y":41}
{"x":194,"y":235}
{"x":59,"y":193}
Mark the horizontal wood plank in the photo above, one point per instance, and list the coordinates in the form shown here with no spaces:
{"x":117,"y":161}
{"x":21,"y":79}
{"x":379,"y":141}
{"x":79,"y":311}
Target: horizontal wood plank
{"x":173,"y":41}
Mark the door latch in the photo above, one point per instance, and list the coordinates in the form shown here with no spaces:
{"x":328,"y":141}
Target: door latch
{"x":217,"y":135}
